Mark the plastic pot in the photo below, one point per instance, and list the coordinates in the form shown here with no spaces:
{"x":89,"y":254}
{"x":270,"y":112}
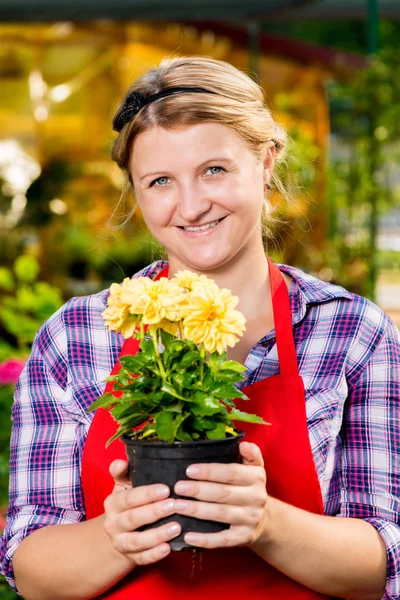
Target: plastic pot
{"x":159,"y":462}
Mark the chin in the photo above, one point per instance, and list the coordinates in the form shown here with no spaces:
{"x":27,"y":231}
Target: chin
{"x":204,"y":263}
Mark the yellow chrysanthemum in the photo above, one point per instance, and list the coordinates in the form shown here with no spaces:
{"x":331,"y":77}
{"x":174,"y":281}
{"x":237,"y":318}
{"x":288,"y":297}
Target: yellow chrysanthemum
{"x":134,"y":294}
{"x":211,"y":318}
{"x":171,"y":327}
{"x":164,"y":300}
{"x":187,"y":279}
{"x":116,"y":311}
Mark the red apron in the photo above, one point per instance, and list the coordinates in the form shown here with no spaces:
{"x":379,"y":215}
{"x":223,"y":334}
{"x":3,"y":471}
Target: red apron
{"x":291,"y":476}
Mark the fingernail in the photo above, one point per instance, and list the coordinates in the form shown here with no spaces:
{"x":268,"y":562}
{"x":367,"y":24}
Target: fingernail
{"x":191,"y":538}
{"x":162,"y":491}
{"x":181,"y":487}
{"x":192,"y":471}
{"x":168,"y":506}
{"x":173,"y":529}
{"x":164,"y":550}
{"x":181,"y":505}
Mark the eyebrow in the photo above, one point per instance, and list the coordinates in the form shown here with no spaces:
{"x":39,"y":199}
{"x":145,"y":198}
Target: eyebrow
{"x":214,"y":159}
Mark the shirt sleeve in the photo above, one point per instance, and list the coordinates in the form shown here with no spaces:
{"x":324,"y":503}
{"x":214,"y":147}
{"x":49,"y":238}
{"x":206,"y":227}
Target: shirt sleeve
{"x":370,"y":483}
{"x":44,"y":455}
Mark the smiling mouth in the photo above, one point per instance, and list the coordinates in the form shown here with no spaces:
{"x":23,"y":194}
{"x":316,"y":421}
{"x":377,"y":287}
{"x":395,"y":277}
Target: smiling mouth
{"x":202,"y":227}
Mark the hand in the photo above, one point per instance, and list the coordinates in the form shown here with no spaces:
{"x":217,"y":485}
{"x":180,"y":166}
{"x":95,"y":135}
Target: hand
{"x":126,"y":509}
{"x":234,"y":494}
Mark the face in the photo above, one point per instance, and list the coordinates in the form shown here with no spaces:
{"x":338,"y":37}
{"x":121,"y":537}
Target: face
{"x":201,"y":192}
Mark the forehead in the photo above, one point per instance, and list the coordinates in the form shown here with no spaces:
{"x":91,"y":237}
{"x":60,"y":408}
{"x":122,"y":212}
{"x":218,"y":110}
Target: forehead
{"x":182,"y":146}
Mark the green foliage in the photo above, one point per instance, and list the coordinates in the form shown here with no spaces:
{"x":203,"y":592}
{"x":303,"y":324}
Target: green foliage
{"x":6,"y":593}
{"x":363,"y":167}
{"x":177,"y":394}
{"x":25,"y":302}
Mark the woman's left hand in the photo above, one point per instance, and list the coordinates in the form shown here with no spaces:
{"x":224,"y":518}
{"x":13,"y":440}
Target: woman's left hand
{"x":229,"y":493}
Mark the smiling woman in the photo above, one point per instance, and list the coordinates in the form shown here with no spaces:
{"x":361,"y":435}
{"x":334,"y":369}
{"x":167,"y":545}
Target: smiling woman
{"x":199,"y":147}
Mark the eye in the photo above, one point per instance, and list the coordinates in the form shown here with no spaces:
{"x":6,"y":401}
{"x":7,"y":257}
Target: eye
{"x":160,"y":181}
{"x":215,"y":170}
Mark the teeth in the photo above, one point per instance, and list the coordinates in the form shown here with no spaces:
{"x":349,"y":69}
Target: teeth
{"x":203,"y":227}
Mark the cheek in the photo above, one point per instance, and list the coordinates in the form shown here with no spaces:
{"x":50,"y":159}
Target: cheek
{"x":157,"y":211}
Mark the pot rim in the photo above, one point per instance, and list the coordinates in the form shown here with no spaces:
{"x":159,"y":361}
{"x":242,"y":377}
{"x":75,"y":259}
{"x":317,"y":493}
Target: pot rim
{"x":160,"y":443}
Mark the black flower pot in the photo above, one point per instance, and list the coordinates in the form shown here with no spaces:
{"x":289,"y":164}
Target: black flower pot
{"x":159,"y":462}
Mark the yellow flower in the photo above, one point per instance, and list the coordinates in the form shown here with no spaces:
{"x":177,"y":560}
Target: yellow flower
{"x":187,"y":279}
{"x":210,"y":318}
{"x":134,"y":294}
{"x":116,"y":311}
{"x":171,"y":327}
{"x":164,"y":300}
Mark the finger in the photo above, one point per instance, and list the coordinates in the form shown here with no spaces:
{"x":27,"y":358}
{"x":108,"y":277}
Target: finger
{"x":225,"y":494}
{"x":146,"y":494}
{"x":137,"y":542}
{"x":228,"y":538}
{"x":233,"y":473}
{"x":151,"y":556}
{"x":223,"y":513}
{"x":119,"y":472}
{"x":131,"y":520}
{"x":251,"y":454}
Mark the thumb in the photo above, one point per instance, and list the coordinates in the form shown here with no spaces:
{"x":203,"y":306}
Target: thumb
{"x":119,"y":472}
{"x":251,"y":454}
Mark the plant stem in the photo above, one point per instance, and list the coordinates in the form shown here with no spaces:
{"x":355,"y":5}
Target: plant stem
{"x":153,"y":334}
{"x":202,"y":359}
{"x":141,"y":329}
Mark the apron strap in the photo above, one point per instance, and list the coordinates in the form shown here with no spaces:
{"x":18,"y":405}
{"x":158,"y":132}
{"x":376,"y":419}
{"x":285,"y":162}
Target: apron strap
{"x":283,"y":322}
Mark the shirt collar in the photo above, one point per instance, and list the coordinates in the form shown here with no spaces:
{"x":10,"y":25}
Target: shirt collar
{"x":305,"y":290}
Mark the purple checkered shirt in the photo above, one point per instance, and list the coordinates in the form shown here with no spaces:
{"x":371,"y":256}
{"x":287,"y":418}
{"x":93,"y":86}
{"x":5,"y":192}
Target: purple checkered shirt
{"x":349,"y":358}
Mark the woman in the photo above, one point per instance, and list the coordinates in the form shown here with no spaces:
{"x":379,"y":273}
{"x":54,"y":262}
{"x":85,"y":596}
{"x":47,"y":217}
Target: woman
{"x":199,"y":148}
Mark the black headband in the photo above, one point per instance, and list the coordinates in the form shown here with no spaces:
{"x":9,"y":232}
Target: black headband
{"x":135,"y":102}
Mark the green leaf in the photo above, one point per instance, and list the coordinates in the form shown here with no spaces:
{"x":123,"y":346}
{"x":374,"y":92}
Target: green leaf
{"x":238,"y":415}
{"x":216,"y":360}
{"x":178,"y":378}
{"x":217,"y":433}
{"x":227,"y":391}
{"x":187,"y":379}
{"x":207,"y":380}
{"x":147,"y":349}
{"x":175,"y":408}
{"x":134,"y":364}
{"x":207,"y":405}
{"x":147,"y":430}
{"x":111,"y":378}
{"x":105,"y":401}
{"x":119,"y":432}
{"x":172,"y":391}
{"x":26,"y":268}
{"x":228,"y":375}
{"x":189,"y":359}
{"x":232,"y":365}
{"x":179,"y":432}
{"x":164,"y":422}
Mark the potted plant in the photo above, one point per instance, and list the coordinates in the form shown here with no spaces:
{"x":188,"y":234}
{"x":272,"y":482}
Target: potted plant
{"x":176,"y":401}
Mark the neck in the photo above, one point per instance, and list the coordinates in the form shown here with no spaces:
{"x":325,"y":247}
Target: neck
{"x":246,"y":275}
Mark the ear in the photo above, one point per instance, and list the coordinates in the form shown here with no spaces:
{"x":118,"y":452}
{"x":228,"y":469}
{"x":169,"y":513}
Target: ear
{"x":269,"y":163}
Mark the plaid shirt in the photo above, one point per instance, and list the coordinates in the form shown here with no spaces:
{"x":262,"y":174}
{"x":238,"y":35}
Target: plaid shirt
{"x":349,"y":358}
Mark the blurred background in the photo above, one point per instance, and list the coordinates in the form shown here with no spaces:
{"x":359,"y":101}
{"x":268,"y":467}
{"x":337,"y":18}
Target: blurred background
{"x":329,"y":69}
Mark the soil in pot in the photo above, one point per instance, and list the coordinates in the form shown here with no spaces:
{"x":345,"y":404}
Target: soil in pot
{"x":159,"y":462}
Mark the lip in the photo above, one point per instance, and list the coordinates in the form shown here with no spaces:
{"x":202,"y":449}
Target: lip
{"x":205,"y":232}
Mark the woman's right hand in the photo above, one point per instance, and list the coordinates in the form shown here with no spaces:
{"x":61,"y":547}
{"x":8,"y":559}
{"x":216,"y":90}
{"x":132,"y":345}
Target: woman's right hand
{"x":127,"y":508}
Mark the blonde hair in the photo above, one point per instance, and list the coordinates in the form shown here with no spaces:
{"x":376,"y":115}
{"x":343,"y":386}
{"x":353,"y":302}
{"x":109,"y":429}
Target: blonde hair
{"x":237,"y":103}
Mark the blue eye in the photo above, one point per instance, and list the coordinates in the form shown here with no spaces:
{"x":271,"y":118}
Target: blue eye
{"x":160,"y":181}
{"x":215,"y":170}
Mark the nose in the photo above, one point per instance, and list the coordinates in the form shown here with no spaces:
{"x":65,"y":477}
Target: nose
{"x":192,"y":203}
